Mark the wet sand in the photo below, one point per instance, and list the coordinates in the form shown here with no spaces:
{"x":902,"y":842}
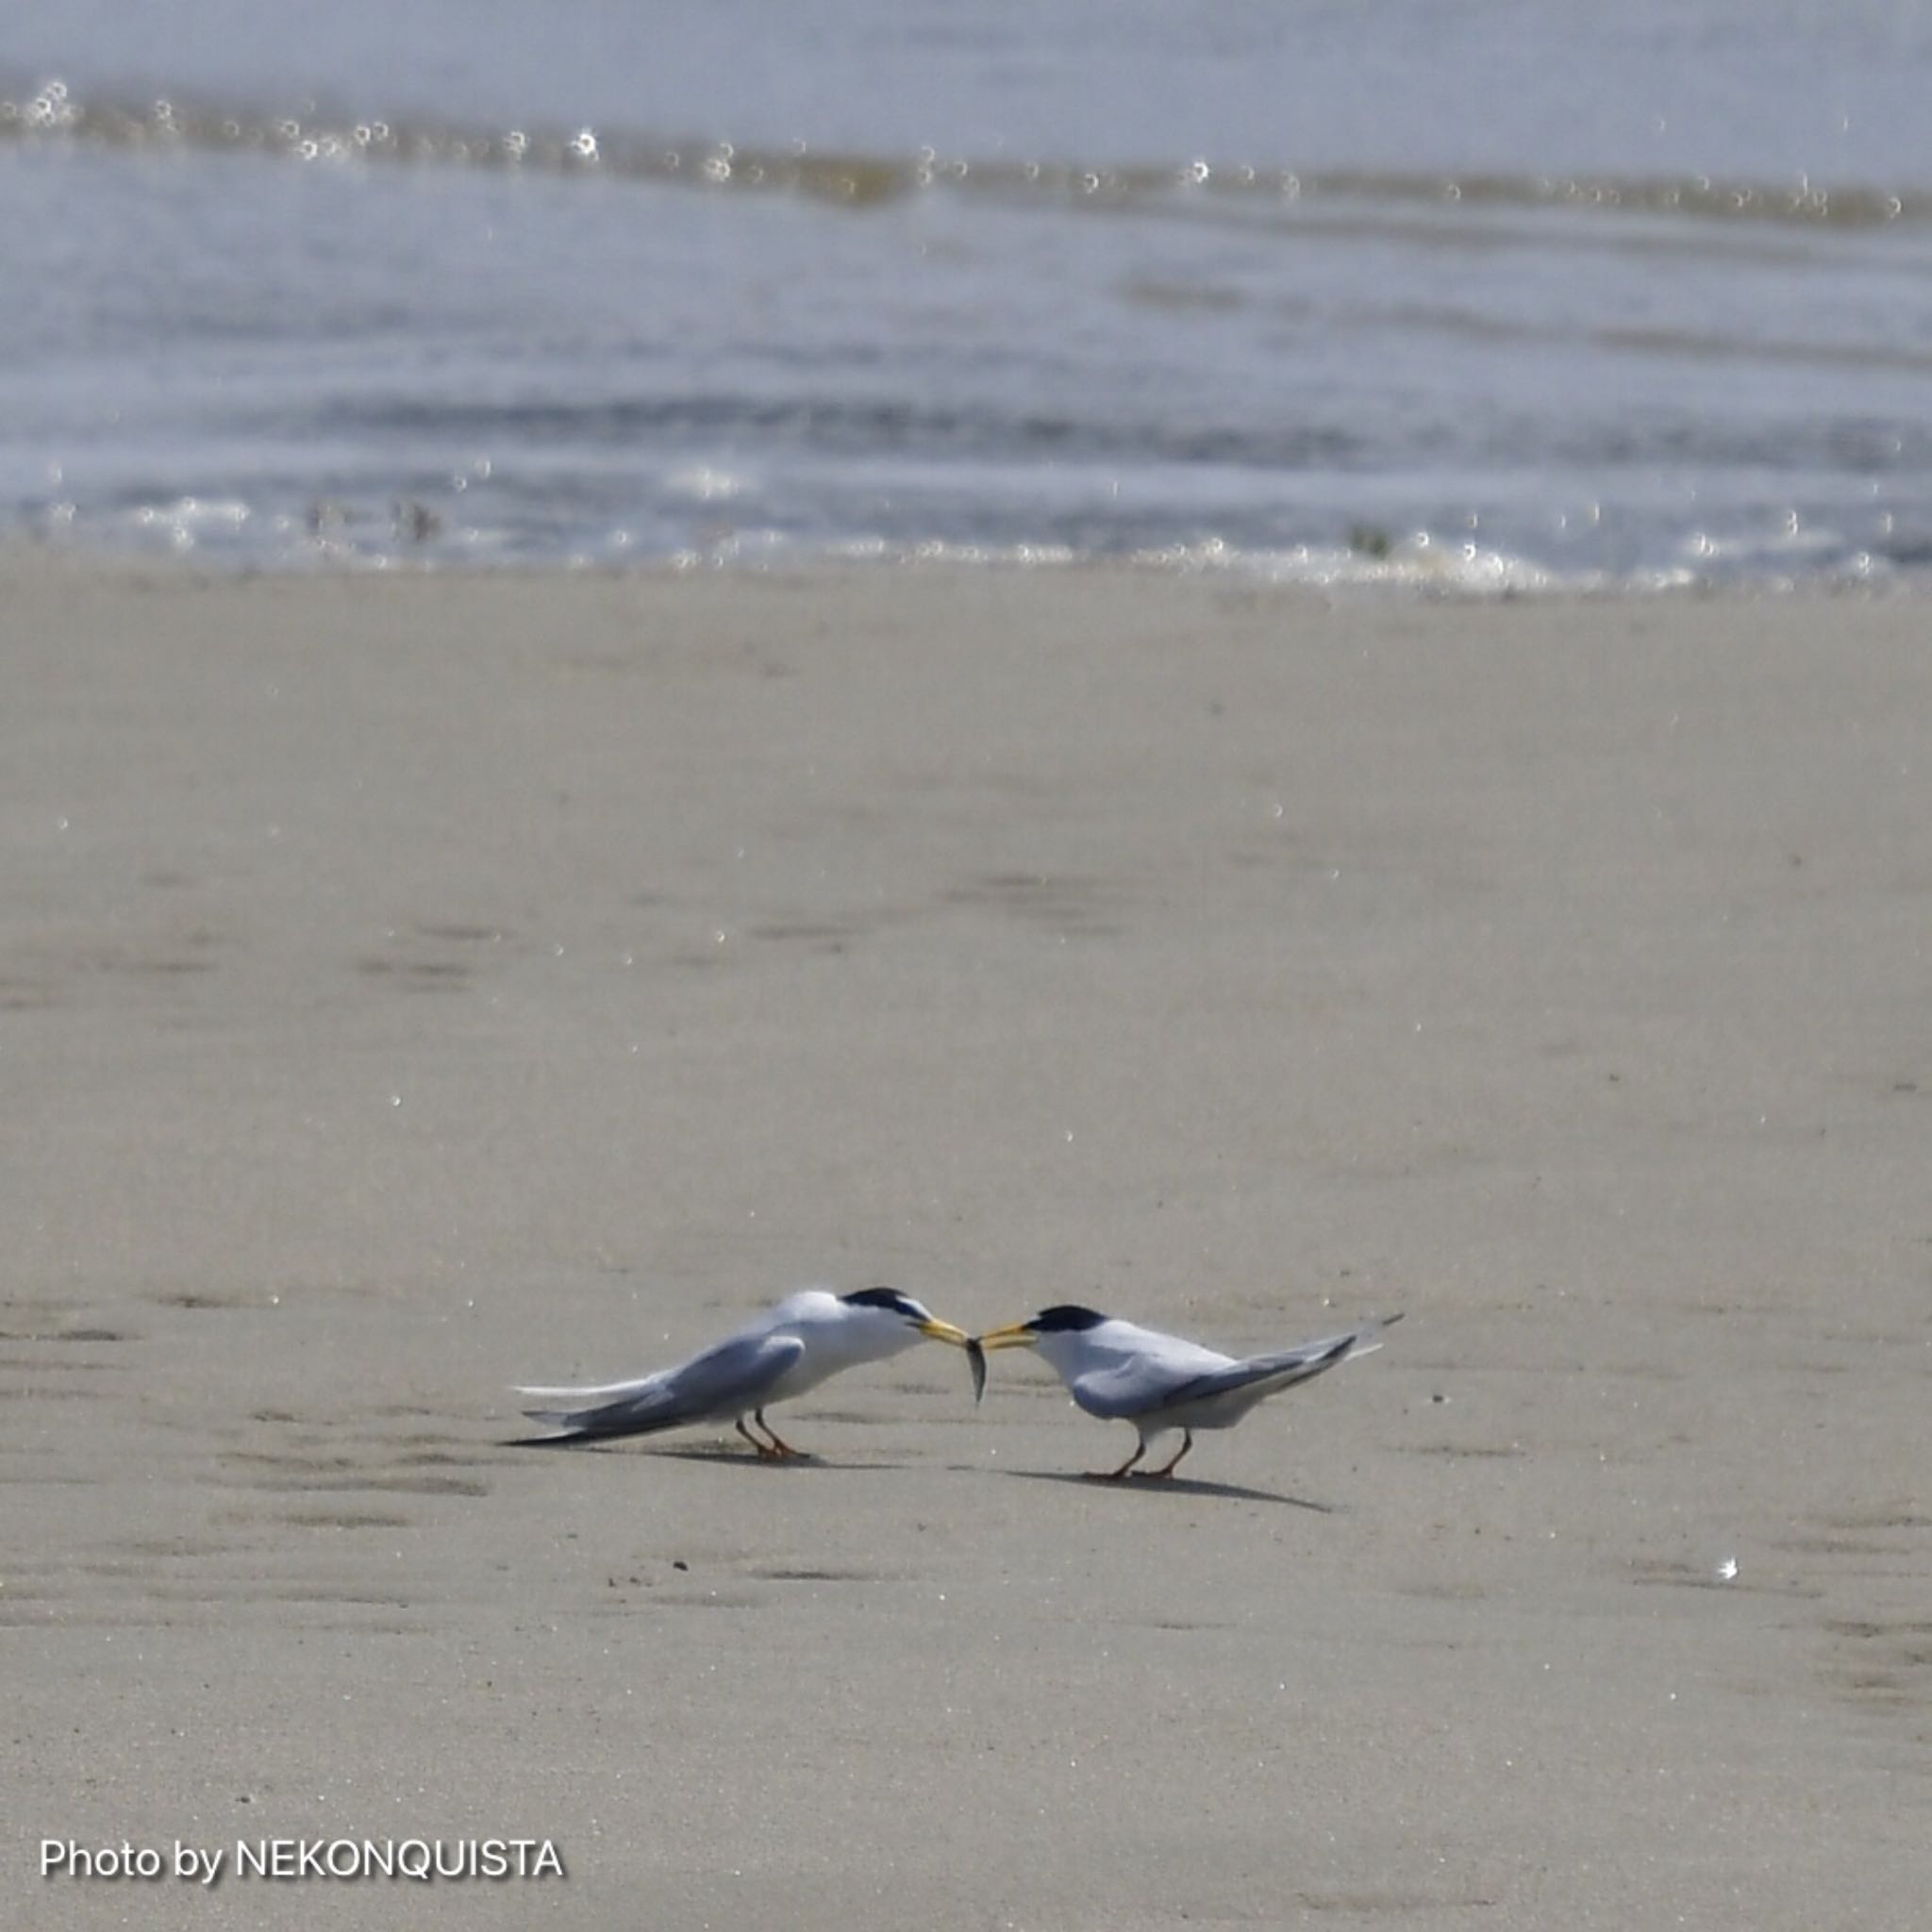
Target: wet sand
{"x":409,"y":987}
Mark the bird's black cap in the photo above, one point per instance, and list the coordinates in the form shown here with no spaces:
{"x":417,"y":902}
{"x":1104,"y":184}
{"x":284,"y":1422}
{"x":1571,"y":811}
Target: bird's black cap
{"x":1067,"y":1315}
{"x":883,"y":1298}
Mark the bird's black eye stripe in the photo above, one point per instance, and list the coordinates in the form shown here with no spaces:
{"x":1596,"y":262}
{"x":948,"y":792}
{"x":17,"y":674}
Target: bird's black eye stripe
{"x":1067,"y":1315}
{"x":882,"y":1298}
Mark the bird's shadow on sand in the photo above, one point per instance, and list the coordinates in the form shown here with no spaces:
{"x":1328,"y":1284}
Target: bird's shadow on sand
{"x":728,"y":1453}
{"x":716,"y":1452}
{"x":1171,"y":1485}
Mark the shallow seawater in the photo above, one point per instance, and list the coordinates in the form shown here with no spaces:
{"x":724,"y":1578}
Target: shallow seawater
{"x":1343,"y":291}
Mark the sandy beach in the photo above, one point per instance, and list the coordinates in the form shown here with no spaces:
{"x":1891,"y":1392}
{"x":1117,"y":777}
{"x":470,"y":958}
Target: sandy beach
{"x":410,"y":986}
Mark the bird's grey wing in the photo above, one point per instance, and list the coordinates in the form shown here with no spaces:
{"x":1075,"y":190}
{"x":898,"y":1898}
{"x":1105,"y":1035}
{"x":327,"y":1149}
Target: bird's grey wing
{"x":726,"y":1379}
{"x":1266,"y":1373}
{"x":1124,"y":1389}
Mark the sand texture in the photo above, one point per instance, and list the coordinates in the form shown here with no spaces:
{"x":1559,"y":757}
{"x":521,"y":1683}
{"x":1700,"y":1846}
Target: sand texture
{"x":412,"y":986}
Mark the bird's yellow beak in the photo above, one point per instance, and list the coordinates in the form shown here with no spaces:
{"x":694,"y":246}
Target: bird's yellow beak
{"x":1018,"y":1336}
{"x":944,"y":1331}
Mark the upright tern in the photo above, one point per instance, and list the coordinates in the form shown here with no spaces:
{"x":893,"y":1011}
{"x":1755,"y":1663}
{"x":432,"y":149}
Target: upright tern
{"x":1123,"y":1373}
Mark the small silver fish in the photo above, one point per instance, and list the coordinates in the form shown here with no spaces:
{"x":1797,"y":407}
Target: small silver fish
{"x":976,"y":1356}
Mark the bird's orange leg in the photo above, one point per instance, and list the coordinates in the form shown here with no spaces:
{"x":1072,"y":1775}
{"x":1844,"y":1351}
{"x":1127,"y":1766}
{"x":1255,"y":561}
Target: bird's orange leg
{"x":1113,"y":1475}
{"x":766,"y":1452}
{"x":778,"y":1441}
{"x":1169,"y":1468}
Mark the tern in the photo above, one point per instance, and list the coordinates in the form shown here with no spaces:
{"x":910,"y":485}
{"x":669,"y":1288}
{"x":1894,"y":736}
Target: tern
{"x":1123,"y":1373}
{"x":784,"y":1352}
